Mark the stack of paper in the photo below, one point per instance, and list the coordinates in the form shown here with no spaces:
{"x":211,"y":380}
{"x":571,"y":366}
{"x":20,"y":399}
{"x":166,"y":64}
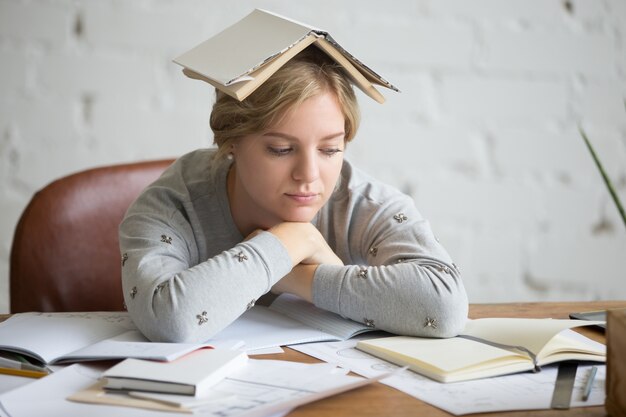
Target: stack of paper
{"x":262,"y":387}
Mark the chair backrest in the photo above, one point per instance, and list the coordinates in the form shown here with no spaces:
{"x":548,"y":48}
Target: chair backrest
{"x":65,"y":253}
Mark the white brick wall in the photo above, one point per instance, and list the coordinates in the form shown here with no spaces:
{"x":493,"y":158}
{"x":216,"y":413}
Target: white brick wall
{"x":484,"y":134}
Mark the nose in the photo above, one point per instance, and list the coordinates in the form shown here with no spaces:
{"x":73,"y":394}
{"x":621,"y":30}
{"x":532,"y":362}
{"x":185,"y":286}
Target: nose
{"x":306,"y":168}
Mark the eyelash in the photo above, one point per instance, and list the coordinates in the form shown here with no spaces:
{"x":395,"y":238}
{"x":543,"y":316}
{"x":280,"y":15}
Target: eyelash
{"x":278,"y":151}
{"x":285,"y":151}
{"x":331,"y":152}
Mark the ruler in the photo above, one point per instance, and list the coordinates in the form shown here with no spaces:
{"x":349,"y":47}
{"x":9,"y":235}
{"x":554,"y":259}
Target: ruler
{"x":562,"y":395}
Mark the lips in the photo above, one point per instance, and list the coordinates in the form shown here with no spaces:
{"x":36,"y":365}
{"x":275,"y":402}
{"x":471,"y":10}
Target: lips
{"x":302,"y":197}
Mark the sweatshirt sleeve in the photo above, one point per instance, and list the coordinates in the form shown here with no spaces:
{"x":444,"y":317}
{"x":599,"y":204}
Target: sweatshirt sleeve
{"x":401,"y":280}
{"x":171,"y":295}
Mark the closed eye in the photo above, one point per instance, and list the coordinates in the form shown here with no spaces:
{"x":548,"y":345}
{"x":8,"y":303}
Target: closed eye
{"x":331,"y":151}
{"x":279,"y":151}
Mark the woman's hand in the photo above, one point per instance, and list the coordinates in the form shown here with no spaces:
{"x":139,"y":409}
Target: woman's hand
{"x":305,"y":244}
{"x":298,"y":282}
{"x":307,"y":249}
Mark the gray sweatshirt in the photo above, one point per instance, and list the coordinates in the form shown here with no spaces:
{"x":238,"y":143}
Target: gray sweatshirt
{"x":187,"y":273}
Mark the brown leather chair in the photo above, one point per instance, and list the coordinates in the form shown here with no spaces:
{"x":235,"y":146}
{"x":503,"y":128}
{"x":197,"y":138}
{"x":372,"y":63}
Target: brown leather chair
{"x":65,"y":253}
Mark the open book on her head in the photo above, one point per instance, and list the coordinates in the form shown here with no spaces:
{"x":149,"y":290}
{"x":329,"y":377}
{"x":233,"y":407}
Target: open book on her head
{"x":489,"y":347}
{"x":241,"y":57}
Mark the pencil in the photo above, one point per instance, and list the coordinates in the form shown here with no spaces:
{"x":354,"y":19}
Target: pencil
{"x":23,"y":372}
{"x":589,"y":383}
{"x":20,"y":363}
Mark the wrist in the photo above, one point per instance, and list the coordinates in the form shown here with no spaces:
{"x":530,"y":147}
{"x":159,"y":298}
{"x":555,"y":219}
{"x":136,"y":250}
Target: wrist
{"x":298,"y":282}
{"x":297,"y":240}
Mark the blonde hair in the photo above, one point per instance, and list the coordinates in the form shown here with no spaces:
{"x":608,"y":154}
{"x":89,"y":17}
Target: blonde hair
{"x":308,"y":74}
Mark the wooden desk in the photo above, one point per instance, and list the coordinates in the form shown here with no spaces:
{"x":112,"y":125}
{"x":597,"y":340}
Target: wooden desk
{"x":380,"y":400}
{"x":383,"y":401}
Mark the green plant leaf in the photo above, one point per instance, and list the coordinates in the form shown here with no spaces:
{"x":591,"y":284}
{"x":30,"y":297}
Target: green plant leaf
{"x":605,"y":177}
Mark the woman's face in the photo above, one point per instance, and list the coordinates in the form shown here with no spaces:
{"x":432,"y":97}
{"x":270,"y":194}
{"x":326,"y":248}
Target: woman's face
{"x":288,"y":172}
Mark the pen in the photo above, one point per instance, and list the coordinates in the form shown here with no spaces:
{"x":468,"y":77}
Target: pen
{"x":589,"y":383}
{"x":23,"y":372}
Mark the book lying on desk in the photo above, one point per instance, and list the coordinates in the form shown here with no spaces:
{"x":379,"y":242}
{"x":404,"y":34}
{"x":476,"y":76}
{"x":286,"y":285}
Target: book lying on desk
{"x":192,"y":374}
{"x":289,"y":320}
{"x":55,"y":338}
{"x":489,"y":347}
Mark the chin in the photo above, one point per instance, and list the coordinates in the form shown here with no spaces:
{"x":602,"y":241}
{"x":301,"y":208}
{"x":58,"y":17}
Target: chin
{"x":301,"y":217}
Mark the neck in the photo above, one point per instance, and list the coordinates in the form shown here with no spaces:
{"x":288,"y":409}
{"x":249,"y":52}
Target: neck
{"x":241,"y":217}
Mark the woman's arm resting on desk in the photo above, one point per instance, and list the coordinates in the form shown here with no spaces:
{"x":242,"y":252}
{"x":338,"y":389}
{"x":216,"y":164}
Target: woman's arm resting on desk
{"x":173,"y":296}
{"x":401,"y":279}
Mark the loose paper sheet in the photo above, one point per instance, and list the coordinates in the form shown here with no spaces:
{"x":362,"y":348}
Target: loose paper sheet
{"x":524,"y":391}
{"x":9,"y":382}
{"x":265,"y":388}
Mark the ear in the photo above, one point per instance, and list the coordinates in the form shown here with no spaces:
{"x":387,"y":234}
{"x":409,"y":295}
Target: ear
{"x":230,"y":155}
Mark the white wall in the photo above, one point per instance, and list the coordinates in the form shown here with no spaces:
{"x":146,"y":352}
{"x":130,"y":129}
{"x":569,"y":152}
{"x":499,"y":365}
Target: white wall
{"x":483,"y":136}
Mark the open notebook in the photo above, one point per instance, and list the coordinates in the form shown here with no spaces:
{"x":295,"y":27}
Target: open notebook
{"x":289,"y":320}
{"x":489,"y":347}
{"x":53,"y":338}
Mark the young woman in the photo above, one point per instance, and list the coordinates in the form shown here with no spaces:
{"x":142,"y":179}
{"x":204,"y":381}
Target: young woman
{"x":276,"y":208}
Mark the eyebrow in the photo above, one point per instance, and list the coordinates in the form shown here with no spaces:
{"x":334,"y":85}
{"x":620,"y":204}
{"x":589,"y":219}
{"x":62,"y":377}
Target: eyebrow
{"x":294,"y":138}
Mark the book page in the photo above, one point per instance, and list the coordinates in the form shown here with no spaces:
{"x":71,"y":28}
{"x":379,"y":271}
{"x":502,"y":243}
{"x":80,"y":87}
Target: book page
{"x":569,"y":345}
{"x":261,"y":328}
{"x":441,"y":355}
{"x":355,"y":74}
{"x":49,"y":336}
{"x":532,"y":334}
{"x":447,"y":360}
{"x":323,"y":320}
{"x":132,"y":344}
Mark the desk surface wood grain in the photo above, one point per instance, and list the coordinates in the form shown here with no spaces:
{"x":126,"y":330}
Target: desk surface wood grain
{"x":378,"y":400}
